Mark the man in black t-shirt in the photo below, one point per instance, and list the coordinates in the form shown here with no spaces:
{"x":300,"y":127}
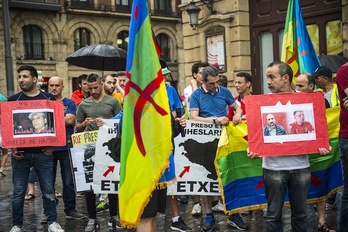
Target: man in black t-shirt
{"x":38,"y":157}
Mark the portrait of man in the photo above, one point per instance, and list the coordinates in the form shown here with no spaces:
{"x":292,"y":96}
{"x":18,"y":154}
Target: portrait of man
{"x":272,"y":129}
{"x":300,"y":126}
{"x":42,"y":122}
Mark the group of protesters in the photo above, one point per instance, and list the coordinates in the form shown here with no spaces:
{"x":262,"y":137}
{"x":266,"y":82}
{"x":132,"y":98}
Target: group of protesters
{"x":208,"y":101}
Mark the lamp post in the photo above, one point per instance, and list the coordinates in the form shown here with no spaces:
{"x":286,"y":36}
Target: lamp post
{"x":193,"y":12}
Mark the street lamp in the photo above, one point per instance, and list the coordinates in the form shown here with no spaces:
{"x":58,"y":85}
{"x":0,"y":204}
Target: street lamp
{"x":193,"y":11}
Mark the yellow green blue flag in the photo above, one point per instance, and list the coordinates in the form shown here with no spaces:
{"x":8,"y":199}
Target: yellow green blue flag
{"x":297,"y":49}
{"x":146,"y":134}
{"x":240,"y":178}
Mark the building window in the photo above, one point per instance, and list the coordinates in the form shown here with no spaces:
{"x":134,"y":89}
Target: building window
{"x":82,"y":38}
{"x":163,"y":42}
{"x":33,"y":46}
{"x":123,"y":5}
{"x":122,"y":40}
{"x":163,"y":5}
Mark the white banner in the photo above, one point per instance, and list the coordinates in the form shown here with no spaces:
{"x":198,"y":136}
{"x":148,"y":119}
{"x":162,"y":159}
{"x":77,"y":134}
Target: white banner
{"x":194,"y":160}
{"x":107,"y":160}
{"x":83,"y":157}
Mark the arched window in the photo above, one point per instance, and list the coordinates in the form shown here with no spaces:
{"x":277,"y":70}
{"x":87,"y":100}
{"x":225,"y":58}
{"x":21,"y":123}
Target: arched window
{"x":82,"y":38}
{"x":33,"y":46}
{"x":122,"y":40}
{"x":163,"y":42}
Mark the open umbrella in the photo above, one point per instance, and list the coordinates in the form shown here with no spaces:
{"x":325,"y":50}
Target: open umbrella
{"x":334,"y":62}
{"x":102,"y":57}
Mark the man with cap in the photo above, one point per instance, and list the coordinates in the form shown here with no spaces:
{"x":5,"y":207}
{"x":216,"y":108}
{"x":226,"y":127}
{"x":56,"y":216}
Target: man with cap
{"x":323,"y":79}
{"x":166,"y":74}
{"x":39,"y":122}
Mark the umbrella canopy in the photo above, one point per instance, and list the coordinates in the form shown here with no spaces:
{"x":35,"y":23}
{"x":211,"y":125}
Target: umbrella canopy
{"x":102,"y":57}
{"x":332,"y":61}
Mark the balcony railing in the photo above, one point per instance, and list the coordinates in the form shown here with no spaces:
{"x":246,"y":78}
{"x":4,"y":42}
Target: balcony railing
{"x":49,"y":5}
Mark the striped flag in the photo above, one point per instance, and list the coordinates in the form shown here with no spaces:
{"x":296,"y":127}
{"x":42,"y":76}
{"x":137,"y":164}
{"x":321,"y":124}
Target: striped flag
{"x":146,"y":134}
{"x":298,"y":50}
{"x":240,"y":178}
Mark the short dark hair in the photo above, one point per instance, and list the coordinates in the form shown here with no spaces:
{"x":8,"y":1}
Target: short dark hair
{"x":81,"y":78}
{"x":310,"y":78}
{"x":197,"y":65}
{"x":223,"y":80}
{"x":104,"y":77}
{"x":121,"y":73}
{"x":93,"y":77}
{"x":31,"y":69}
{"x":284,"y":68}
{"x":297,"y":111}
{"x":247,"y":76}
{"x":209,"y":71}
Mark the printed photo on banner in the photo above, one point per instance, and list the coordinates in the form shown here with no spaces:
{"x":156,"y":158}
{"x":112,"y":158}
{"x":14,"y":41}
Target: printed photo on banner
{"x":287,"y":124}
{"x":83,"y":146}
{"x":33,"y":123}
{"x":29,"y":123}
{"x":194,"y":160}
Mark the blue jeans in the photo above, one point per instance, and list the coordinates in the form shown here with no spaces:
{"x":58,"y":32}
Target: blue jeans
{"x":69,"y":196}
{"x":43,"y":165}
{"x":297,"y":182}
{"x":343,"y":146}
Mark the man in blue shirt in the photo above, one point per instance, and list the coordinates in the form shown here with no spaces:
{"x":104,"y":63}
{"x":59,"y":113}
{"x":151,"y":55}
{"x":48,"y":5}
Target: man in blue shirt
{"x":61,"y":154}
{"x":209,"y":104}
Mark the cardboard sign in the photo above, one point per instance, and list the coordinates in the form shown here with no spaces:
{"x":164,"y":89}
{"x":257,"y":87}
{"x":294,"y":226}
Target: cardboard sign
{"x":37,"y":123}
{"x":286,"y":124}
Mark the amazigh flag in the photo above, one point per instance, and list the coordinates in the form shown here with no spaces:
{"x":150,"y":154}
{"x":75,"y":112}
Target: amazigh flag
{"x":147,"y":133}
{"x":240,"y":178}
{"x":298,"y":50}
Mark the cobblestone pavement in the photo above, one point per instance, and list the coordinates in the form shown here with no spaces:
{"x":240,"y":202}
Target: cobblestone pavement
{"x":33,"y":211}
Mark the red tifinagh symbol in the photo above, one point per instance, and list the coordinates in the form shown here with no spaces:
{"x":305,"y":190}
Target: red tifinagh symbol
{"x":110,"y":169}
{"x":145,"y":96}
{"x":259,"y":185}
{"x":316,"y":181}
{"x":186,"y":169}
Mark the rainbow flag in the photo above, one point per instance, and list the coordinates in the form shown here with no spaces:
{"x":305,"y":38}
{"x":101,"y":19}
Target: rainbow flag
{"x":147,"y":133}
{"x":298,"y":50}
{"x":240,"y":178}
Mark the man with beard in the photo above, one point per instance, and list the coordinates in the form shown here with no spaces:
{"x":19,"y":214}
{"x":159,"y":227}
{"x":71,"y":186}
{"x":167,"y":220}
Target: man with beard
{"x":38,"y":157}
{"x":272,"y":128}
{"x":90,"y":117}
{"x":110,"y":86}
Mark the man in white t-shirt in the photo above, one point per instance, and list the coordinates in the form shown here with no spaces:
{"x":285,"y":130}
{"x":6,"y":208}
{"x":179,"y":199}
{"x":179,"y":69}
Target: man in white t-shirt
{"x":285,"y":172}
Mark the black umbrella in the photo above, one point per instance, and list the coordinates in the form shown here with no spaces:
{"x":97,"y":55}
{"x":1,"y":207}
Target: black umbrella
{"x":334,"y":62}
{"x":102,"y":57}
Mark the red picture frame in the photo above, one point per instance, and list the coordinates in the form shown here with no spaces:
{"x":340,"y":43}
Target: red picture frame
{"x":37,"y":123}
{"x":300,"y":115}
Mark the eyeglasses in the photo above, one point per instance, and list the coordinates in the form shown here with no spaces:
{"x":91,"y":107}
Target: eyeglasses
{"x":213,"y":83}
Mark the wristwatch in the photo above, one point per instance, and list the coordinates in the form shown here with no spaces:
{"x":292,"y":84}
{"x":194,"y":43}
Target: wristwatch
{"x":214,"y":119}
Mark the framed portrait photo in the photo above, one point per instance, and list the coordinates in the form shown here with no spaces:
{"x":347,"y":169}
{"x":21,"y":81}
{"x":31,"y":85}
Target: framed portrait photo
{"x":286,"y":124}
{"x":35,"y":123}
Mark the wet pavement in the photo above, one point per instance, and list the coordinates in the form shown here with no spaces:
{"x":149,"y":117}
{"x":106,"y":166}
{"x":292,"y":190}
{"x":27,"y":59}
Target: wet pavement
{"x":33,"y":212}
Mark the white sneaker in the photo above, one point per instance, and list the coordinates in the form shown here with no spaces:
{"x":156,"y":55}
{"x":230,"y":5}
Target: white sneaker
{"x":196,"y":210}
{"x":55,"y":227}
{"x":16,"y":229}
{"x":218,"y":207}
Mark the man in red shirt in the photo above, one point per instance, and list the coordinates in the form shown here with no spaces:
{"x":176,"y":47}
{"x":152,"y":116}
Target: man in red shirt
{"x":300,"y":126}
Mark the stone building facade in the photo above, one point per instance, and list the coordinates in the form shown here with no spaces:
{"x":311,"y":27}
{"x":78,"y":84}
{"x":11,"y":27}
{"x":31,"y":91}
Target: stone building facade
{"x":232,"y":35}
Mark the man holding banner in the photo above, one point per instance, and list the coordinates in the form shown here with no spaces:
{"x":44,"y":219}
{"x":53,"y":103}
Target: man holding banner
{"x":209,"y":104}
{"x":39,"y":157}
{"x":285,"y":172}
{"x":90,"y":115}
